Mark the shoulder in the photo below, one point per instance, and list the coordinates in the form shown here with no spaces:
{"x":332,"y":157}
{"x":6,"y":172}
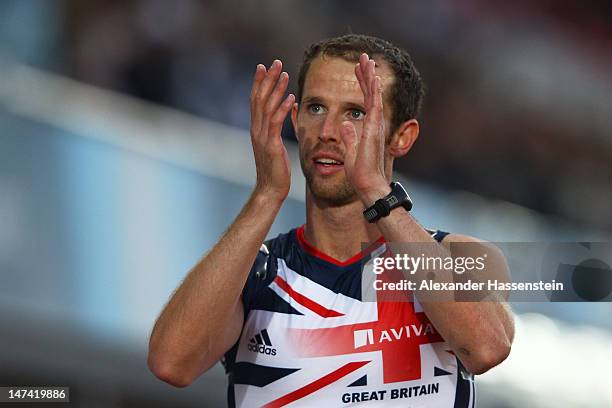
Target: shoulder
{"x":281,"y":243}
{"x":280,"y":247}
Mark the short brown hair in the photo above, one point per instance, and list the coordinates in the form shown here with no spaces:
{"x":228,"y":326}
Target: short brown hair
{"x":408,"y":88}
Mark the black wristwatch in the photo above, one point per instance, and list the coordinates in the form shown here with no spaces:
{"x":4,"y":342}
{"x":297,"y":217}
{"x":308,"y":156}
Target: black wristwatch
{"x":398,"y":197}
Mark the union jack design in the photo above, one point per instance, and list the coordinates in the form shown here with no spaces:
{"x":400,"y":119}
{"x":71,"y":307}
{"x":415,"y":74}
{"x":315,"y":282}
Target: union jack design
{"x":332,"y":348}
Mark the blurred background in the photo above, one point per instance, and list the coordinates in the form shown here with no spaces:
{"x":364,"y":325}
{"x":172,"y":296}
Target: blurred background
{"x":123,"y":122}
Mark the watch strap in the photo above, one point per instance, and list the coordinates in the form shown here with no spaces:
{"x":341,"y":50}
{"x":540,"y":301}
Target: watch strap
{"x":383,"y":206}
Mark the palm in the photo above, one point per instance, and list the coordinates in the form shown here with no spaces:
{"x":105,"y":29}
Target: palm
{"x":268,"y":111}
{"x":364,"y":160}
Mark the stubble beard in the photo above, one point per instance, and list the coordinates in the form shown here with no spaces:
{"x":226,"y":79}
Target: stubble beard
{"x":333,"y":190}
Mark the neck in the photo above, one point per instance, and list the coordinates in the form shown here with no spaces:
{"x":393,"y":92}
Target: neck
{"x":337,"y":231}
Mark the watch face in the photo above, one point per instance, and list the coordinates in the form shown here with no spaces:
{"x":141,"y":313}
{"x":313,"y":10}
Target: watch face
{"x":401,"y":196}
{"x":398,"y":190}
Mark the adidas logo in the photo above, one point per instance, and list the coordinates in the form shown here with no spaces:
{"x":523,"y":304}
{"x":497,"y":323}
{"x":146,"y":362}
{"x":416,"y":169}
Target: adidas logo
{"x":260,"y":343}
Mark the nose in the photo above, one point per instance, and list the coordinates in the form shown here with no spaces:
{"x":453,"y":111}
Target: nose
{"x":329,"y":131}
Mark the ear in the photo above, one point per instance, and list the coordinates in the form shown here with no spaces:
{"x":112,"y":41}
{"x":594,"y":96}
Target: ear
{"x":403,"y":138}
{"x":294,"y":113}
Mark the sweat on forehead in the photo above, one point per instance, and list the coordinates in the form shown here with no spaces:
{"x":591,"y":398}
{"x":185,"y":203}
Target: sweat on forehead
{"x":342,"y":70}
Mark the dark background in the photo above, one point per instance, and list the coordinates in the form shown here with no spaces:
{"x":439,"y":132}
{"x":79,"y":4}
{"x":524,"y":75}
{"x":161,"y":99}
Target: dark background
{"x":123,"y":122}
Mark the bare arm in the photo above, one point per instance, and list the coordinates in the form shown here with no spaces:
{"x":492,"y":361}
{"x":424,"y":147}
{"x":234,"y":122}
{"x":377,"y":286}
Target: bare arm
{"x":204,"y":317}
{"x":480,"y":333}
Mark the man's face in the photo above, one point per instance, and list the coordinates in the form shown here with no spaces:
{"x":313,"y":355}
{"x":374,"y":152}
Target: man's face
{"x":331,"y":95}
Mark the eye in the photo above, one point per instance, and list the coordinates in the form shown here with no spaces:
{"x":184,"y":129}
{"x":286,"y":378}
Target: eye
{"x":315,"y":108}
{"x":356,"y":114}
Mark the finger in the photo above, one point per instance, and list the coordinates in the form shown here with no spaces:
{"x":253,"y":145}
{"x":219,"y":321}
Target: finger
{"x":363,"y":63}
{"x":276,"y":121}
{"x":272,"y":104}
{"x":378,"y":111}
{"x":374,"y":121}
{"x":370,"y":79}
{"x":349,"y":135}
{"x":269,"y":81}
{"x":367,"y":74}
{"x":260,"y":73}
{"x":361,"y":81}
{"x":351,"y":143}
{"x":378,"y":97}
{"x":263,"y":93}
{"x":275,"y":97}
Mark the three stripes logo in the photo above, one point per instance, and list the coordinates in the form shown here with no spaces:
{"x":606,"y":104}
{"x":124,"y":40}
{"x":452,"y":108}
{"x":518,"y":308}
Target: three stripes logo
{"x":260,"y":343}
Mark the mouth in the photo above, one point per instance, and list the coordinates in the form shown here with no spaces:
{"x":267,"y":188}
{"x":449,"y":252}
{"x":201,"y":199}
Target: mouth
{"x":327,"y":164}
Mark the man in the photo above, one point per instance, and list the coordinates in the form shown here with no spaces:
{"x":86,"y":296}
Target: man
{"x":290,"y":315}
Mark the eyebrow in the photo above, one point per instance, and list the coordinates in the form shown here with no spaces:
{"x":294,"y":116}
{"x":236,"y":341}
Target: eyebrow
{"x":345,"y":105}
